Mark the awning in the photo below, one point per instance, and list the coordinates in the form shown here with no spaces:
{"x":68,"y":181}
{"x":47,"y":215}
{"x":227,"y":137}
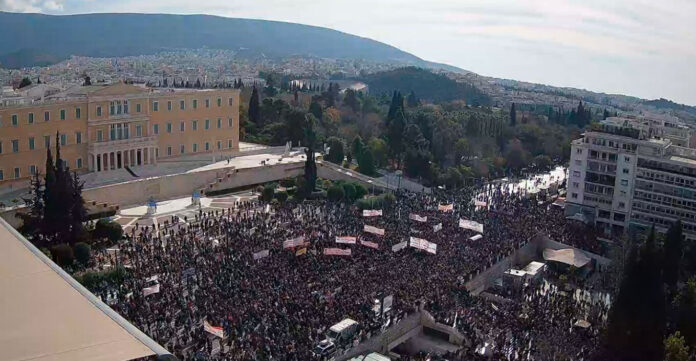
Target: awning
{"x":46,"y":315}
{"x":569,"y":256}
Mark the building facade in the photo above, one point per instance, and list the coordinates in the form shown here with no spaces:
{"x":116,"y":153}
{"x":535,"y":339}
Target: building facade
{"x":106,"y":127}
{"x":632,"y":172}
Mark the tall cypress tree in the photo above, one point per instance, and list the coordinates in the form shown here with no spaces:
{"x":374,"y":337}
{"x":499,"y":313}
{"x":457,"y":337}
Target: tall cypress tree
{"x":637,"y":319}
{"x":254,"y":108}
{"x":513,"y":115}
{"x":673,"y":254}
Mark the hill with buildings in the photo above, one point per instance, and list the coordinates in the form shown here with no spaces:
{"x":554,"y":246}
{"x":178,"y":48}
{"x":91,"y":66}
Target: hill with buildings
{"x":37,"y":39}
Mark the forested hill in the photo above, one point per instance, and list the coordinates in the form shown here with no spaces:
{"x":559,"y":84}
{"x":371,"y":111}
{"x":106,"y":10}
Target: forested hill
{"x":37,"y":39}
{"x":426,"y":84}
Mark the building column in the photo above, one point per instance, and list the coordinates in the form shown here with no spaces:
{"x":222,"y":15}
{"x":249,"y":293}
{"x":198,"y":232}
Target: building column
{"x":105,"y":161}
{"x":125,"y":158}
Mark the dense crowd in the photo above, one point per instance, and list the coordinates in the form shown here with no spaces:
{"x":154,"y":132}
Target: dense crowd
{"x":278,"y":307}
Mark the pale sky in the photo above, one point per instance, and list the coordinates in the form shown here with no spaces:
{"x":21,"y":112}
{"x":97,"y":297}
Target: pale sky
{"x":645,"y":48}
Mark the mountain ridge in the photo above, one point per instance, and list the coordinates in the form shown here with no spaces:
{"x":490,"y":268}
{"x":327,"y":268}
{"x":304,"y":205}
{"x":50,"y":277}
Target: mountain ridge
{"x":41,"y":36}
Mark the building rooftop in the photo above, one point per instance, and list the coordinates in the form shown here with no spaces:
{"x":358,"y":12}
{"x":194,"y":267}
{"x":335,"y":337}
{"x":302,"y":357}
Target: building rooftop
{"x":47,"y":315}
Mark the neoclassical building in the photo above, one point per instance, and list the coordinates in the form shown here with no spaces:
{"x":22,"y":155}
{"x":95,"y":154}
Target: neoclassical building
{"x":105,"y":127}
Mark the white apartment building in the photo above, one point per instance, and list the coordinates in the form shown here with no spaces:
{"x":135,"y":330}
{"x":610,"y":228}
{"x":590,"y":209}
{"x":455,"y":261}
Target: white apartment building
{"x":634,"y":172}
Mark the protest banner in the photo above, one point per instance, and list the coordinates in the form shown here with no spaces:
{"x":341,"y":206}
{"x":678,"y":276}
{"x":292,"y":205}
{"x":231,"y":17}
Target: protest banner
{"x":417,"y":218}
{"x":293,"y":242}
{"x":215,"y":330}
{"x":445,"y":207}
{"x":472,"y":225}
{"x":336,"y":252}
{"x":374,"y":230}
{"x":369,"y":244}
{"x":399,"y":246}
{"x":346,"y":239}
{"x":372,"y":212}
{"x":261,"y":254}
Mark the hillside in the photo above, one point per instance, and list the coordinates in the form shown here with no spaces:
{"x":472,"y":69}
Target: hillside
{"x":426,"y":84}
{"x":37,"y":39}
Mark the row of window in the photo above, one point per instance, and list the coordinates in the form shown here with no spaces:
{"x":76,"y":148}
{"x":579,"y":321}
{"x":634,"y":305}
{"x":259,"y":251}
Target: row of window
{"x":17,"y":171}
{"x":194,"y":125}
{"x":62,"y":114}
{"x":31,"y":142}
{"x":194,"y":104}
{"x":182,"y":147}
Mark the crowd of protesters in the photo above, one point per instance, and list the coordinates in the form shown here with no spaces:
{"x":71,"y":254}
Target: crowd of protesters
{"x":278,"y":306}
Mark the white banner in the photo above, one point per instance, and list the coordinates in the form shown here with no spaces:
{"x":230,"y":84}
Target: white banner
{"x":346,"y":240}
{"x":445,"y":207}
{"x":336,"y":252}
{"x":372,"y":212}
{"x":437,"y":227}
{"x":293,"y":242}
{"x":474,"y":226}
{"x":370,"y":244}
{"x":151,"y":290}
{"x":388,"y":301}
{"x":423,"y":245}
{"x":215,"y":330}
{"x":399,"y":246}
{"x":478,"y":203}
{"x":261,"y":254}
{"x":417,"y":218}
{"x":374,"y":230}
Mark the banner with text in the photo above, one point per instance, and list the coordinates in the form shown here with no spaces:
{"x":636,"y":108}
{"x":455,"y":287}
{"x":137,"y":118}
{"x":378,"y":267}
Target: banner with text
{"x":293,"y":242}
{"x":422,"y":244}
{"x":374,"y":230}
{"x":301,"y":251}
{"x":417,"y":218}
{"x":336,"y":252}
{"x":369,"y":244}
{"x":472,"y":225}
{"x":445,"y":207}
{"x":372,"y":212}
{"x":399,"y":246}
{"x":346,"y":240}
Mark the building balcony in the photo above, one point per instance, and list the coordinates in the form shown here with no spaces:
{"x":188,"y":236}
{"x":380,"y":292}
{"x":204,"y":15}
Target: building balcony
{"x":123,"y":144}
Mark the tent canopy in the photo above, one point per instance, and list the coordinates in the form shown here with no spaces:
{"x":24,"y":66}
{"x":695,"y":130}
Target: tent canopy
{"x":569,"y":256}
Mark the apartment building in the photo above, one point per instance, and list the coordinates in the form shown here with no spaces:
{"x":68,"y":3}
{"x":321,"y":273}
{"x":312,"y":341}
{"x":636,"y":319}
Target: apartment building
{"x":629,"y":172}
{"x":105,"y":127}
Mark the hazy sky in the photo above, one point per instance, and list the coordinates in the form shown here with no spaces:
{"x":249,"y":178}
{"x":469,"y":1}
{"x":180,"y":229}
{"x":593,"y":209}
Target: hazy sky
{"x":634,"y":47}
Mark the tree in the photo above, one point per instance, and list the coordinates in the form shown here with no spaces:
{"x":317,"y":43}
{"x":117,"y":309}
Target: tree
{"x":315,"y":109}
{"x":351,"y":100}
{"x":636,"y":329}
{"x":82,"y":252}
{"x":676,"y":348}
{"x":412,"y":101}
{"x":513,"y":115}
{"x":281,"y":196}
{"x":25,"y":82}
{"x":349,"y":191}
{"x":268,"y":192}
{"x":356,"y":147}
{"x":336,"y":153}
{"x":395,"y":133}
{"x":335,"y":193}
{"x":380,"y":151}
{"x":254,"y":107}
{"x":366,"y":163}
{"x":686,"y":311}
{"x":31,"y":221}
{"x":673,"y":254}
{"x":106,"y":229}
